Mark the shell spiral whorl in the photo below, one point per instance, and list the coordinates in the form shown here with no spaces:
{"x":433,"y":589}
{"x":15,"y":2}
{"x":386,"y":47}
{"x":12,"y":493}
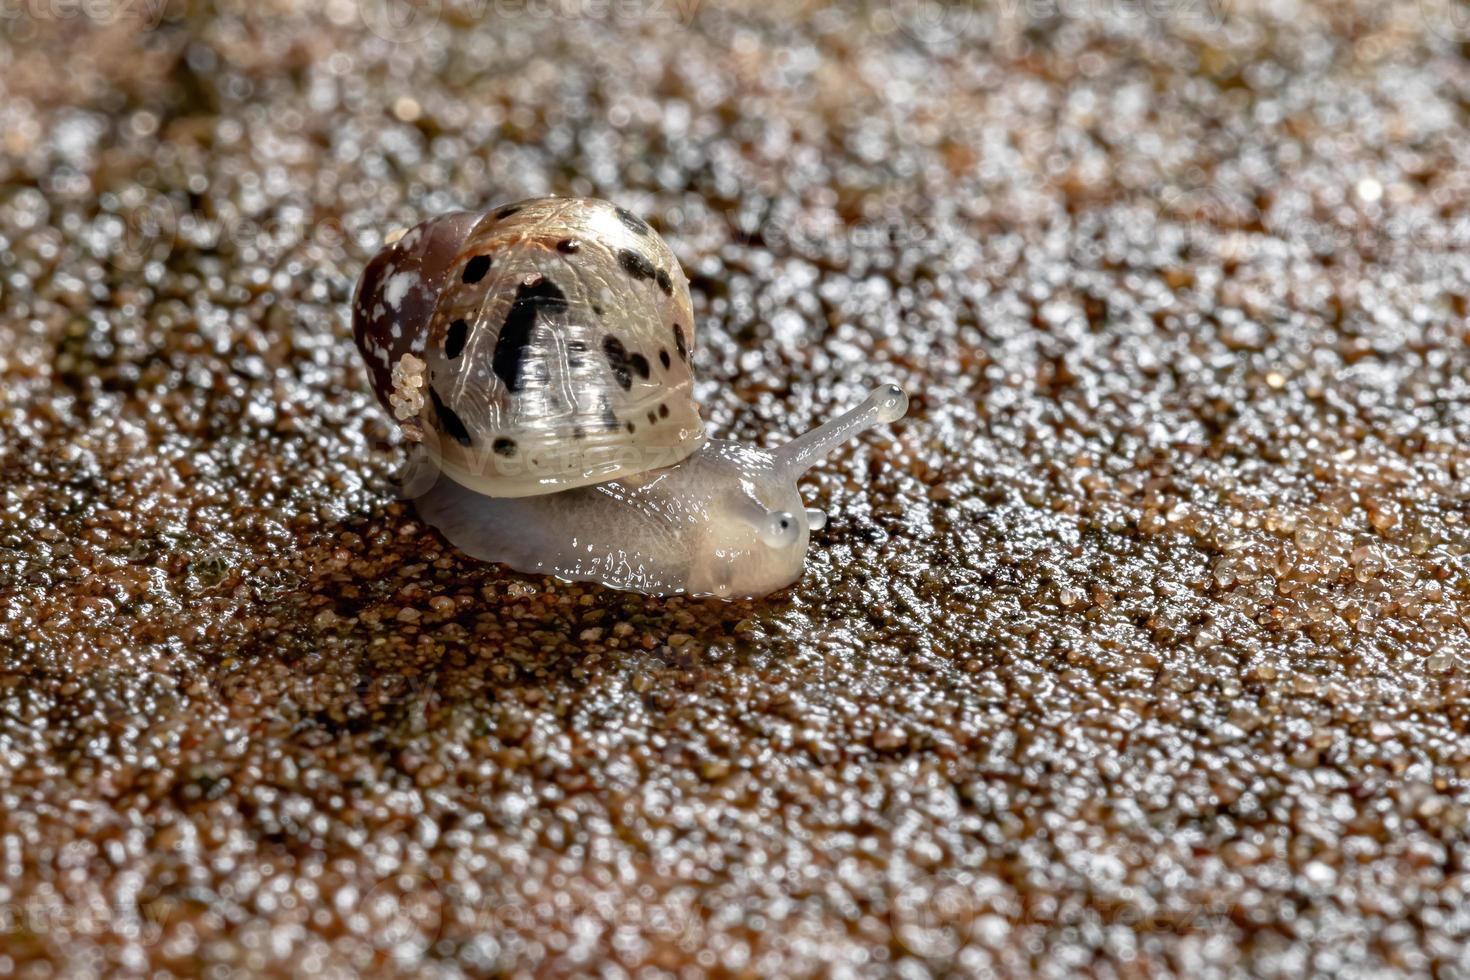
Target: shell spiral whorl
{"x":541,"y":346}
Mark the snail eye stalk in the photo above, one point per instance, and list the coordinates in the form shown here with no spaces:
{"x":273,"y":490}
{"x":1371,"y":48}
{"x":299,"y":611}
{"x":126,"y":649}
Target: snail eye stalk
{"x":886,"y":403}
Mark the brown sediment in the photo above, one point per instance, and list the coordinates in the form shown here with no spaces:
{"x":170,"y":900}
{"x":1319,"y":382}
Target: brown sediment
{"x":1139,"y":646}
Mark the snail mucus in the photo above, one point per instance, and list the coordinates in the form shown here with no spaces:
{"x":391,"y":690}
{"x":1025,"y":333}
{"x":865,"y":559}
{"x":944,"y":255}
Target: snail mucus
{"x":539,"y":359}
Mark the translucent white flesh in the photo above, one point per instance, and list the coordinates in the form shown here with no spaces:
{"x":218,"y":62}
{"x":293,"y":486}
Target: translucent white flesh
{"x":886,"y":403}
{"x":701,"y":527}
{"x":727,"y":521}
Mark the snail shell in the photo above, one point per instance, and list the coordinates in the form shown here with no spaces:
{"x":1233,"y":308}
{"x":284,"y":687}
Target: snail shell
{"x":539,"y":347}
{"x":539,"y":355}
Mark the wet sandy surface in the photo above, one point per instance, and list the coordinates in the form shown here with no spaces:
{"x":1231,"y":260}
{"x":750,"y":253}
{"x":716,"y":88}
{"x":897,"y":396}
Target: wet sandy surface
{"x":1138,"y":647}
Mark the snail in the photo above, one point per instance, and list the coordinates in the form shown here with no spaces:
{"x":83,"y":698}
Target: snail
{"x":538,"y":357}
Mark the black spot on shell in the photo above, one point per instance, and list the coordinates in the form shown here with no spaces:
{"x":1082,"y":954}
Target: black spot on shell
{"x":475,"y":269}
{"x":597,"y":308}
{"x":663,"y":357}
{"x":663,"y":411}
{"x":454,"y":339}
{"x":451,"y":423}
{"x":506,"y":211}
{"x":567,"y":246}
{"x":652,"y":418}
{"x":639,"y":363}
{"x":679,"y":344}
{"x":636,"y":264}
{"x":630,"y":426}
{"x":617,"y":359}
{"x":520,"y":323}
{"x":634,"y":223}
{"x":504,"y":446}
{"x":664,"y":282}
{"x":609,"y":417}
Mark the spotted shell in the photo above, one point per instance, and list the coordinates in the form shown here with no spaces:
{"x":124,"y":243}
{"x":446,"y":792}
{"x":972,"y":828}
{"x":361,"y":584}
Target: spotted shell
{"x":538,"y":347}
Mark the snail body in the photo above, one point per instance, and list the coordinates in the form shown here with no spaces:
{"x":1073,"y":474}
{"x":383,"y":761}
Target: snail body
{"x":539,"y":357}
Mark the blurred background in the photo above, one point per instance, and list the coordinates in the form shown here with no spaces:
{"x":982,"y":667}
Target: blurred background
{"x":1138,"y":648}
